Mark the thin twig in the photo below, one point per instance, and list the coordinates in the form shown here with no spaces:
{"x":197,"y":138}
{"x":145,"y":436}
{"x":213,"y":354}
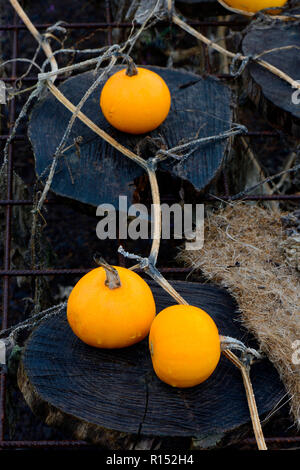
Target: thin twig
{"x":288,"y":165}
{"x":148,"y":267}
{"x":266,"y":180}
{"x":150,"y":167}
{"x":279,"y":73}
{"x":71,"y":107}
{"x":156,"y":216}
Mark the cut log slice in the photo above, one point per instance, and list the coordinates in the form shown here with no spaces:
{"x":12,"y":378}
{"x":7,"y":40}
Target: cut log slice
{"x":113,"y":397}
{"x":98,"y":173}
{"x":278,"y":100}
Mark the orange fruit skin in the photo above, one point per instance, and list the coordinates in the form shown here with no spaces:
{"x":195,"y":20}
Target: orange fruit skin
{"x":184,"y":345}
{"x":253,"y":6}
{"x":136,"y":104}
{"x":111,"y":318}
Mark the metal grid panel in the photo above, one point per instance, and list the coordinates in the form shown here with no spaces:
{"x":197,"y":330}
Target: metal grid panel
{"x":7,"y":272}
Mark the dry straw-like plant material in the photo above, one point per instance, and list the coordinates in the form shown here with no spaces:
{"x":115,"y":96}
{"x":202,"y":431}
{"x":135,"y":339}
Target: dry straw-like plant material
{"x":243,"y":251}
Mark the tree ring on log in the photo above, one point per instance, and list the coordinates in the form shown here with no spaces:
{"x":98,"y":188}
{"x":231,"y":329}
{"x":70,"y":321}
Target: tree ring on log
{"x":272,"y":95}
{"x":113,"y":397}
{"x":97,"y":173}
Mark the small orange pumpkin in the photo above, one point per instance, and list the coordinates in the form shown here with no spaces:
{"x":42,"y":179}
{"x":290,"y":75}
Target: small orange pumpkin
{"x":108,"y":314}
{"x":184,"y":345}
{"x":135,"y":103}
{"x":250,"y":7}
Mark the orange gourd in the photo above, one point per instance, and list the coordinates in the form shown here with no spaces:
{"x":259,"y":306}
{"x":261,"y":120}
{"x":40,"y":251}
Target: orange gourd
{"x":106,"y":314}
{"x":184,"y":345}
{"x":253,"y":6}
{"x":135,"y":103}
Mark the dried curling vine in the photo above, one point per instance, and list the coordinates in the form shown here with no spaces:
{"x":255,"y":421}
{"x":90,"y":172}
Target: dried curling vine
{"x":135,"y":100}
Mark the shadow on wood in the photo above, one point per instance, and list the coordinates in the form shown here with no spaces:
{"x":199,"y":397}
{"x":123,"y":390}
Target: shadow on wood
{"x":200,"y":108}
{"x":113,"y":397}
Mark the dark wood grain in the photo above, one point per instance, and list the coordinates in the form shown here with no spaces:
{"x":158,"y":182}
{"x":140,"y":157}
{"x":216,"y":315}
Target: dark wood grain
{"x":272,"y":95}
{"x":200,"y":8}
{"x":110,"y":396}
{"x":200,"y":107}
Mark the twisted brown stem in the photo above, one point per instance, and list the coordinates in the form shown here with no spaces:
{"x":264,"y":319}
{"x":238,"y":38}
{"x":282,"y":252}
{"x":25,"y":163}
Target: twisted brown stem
{"x":189,"y":29}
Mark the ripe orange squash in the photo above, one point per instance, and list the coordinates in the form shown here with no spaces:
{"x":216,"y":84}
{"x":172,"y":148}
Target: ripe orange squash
{"x":105,"y":314}
{"x":253,"y":6}
{"x":184,"y":345}
{"x":136,"y":103}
